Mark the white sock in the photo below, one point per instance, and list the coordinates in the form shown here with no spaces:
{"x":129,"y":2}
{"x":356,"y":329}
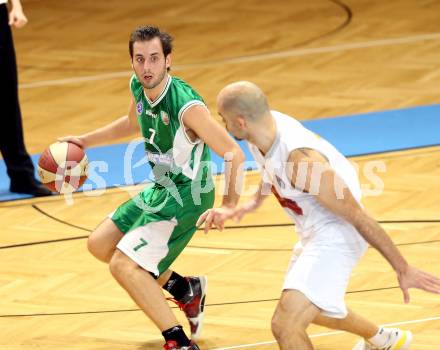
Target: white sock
{"x":381,"y":338}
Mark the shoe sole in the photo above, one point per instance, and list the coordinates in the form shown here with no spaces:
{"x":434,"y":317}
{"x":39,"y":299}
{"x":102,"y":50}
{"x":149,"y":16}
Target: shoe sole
{"x":204,"y":287}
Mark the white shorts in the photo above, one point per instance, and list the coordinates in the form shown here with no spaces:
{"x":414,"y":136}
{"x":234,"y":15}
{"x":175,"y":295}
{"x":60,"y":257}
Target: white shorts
{"x":148,"y":245}
{"x":321,"y":266}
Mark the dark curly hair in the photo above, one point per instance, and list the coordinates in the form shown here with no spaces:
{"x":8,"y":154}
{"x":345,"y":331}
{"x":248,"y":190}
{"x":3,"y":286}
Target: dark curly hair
{"x":146,"y":33}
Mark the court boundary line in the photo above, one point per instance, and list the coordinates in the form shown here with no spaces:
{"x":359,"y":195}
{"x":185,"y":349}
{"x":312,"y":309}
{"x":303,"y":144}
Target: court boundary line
{"x":324,"y":334}
{"x":246,"y":59}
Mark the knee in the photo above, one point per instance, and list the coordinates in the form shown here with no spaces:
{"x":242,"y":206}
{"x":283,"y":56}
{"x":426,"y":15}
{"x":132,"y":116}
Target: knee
{"x":95,"y":247}
{"x":277,"y":328}
{"x":284,"y":328}
{"x":92,"y":245}
{"x":121,"y":265}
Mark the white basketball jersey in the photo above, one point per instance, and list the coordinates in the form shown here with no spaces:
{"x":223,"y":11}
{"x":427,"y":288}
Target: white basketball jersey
{"x":309,"y":215}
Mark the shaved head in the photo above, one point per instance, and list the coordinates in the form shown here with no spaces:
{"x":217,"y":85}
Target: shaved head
{"x":244,"y":99}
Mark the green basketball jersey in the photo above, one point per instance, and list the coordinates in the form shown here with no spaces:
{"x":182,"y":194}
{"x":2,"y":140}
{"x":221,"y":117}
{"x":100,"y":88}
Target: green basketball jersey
{"x":174,"y":158}
{"x":160,"y":220}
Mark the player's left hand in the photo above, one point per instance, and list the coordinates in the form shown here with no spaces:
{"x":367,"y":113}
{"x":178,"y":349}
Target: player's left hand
{"x":415,"y":278}
{"x":215,"y":217}
{"x":17,"y":17}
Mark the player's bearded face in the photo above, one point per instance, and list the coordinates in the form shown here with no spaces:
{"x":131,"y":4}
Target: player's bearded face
{"x":152,"y":79}
{"x":149,"y":62}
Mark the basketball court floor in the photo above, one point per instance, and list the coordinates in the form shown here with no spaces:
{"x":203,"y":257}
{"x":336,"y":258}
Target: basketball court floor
{"x":316,"y":60}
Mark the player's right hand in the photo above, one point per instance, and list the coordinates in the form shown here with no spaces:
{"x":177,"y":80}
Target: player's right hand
{"x":215,"y":217}
{"x":415,"y":278}
{"x":77,"y":140}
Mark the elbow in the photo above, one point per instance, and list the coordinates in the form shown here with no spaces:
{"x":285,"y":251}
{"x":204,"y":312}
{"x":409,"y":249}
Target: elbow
{"x":235,"y":155}
{"x":131,"y":127}
{"x":240,"y":155}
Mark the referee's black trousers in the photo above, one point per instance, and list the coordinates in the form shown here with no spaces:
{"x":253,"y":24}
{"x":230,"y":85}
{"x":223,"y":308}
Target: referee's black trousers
{"x":18,"y":162}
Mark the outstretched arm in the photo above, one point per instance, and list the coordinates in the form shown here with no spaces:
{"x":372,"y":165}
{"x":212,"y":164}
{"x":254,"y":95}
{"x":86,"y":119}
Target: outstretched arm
{"x":346,"y":207}
{"x":198,"y":119}
{"x":258,"y":198}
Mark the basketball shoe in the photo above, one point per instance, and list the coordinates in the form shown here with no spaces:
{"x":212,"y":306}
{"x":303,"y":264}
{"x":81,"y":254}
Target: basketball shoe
{"x":193,"y":304}
{"x":172,"y":345}
{"x":397,"y":340}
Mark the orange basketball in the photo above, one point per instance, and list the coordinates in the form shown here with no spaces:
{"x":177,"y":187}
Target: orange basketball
{"x":63,"y":167}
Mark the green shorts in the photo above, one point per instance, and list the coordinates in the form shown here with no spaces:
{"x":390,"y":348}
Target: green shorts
{"x":158,"y":223}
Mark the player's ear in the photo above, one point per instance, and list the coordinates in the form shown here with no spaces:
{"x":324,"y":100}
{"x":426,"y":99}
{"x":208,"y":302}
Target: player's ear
{"x":168,"y":61}
{"x":241,"y":121}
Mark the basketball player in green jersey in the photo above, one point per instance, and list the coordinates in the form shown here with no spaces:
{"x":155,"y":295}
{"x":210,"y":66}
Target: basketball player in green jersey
{"x":145,"y":235}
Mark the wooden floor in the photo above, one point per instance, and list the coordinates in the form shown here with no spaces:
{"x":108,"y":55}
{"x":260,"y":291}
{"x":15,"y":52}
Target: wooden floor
{"x":317,"y":59}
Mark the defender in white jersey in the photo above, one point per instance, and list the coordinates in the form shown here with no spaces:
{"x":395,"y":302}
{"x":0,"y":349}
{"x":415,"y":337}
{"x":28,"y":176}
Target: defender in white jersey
{"x":320,"y":191}
{"x":327,"y":242}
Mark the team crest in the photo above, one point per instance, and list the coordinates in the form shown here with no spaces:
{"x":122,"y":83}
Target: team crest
{"x":139,"y":107}
{"x":165,"y":118}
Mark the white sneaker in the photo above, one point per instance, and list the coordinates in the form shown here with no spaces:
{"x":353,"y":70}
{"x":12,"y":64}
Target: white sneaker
{"x":398,"y":340}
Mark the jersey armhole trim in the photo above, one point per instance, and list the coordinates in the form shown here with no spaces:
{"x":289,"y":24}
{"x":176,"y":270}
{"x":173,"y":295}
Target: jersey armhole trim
{"x":182,"y":111}
{"x":129,"y":85}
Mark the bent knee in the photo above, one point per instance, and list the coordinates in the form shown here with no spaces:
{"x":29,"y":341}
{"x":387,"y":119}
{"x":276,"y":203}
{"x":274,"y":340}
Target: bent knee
{"x":283,"y":330}
{"x":92,"y":245}
{"x":285,"y":325}
{"x":277,"y":327}
{"x":98,"y":250}
{"x":120,"y":264}
{"x":103,"y":241}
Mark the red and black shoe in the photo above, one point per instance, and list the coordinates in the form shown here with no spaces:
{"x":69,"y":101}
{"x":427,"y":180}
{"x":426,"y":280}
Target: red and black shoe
{"x":172,"y":345}
{"x":193,"y":304}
